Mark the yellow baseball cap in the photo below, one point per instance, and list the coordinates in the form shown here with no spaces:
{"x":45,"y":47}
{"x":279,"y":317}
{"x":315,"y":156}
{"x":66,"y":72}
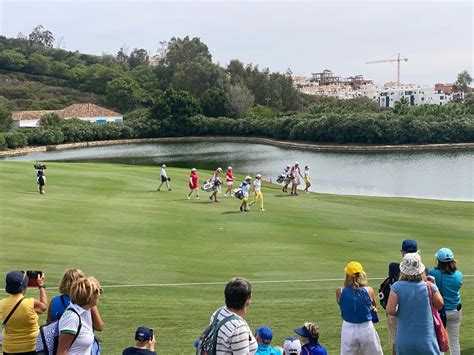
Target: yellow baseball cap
{"x":353,"y":268}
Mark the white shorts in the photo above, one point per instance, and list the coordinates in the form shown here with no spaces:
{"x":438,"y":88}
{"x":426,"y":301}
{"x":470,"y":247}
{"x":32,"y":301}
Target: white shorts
{"x":229,"y":183}
{"x":360,"y":338}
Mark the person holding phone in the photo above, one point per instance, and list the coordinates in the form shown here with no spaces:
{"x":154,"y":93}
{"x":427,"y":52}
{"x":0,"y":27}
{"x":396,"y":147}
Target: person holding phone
{"x":145,"y":343}
{"x":19,"y":314}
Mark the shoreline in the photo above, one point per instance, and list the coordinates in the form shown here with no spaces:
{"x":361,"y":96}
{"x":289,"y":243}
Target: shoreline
{"x":347,"y":148}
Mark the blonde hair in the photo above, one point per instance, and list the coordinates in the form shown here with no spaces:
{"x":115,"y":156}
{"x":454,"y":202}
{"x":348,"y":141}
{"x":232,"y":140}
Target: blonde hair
{"x":85,"y":291}
{"x":68,"y":279}
{"x":313,"y":329}
{"x":357,"y":281}
{"x":412,"y":278}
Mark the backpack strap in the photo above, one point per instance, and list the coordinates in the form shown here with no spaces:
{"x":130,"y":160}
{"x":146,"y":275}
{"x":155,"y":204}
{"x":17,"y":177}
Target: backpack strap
{"x":220,"y":324}
{"x":4,"y":323}
{"x":78,"y":328}
{"x":43,"y":339}
{"x":62,"y":301}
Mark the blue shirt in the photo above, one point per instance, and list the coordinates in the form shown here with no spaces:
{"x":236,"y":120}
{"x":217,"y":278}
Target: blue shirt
{"x":58,"y":306}
{"x":449,"y":286}
{"x":264,"y":349}
{"x":313,"y":349}
{"x":355,"y":305}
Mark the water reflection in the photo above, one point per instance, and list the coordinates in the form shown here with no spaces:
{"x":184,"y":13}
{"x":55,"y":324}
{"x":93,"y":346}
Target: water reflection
{"x":437,"y":175}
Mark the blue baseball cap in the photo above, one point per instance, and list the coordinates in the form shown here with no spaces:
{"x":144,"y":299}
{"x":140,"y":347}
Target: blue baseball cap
{"x":409,"y":246}
{"x":264,"y":333}
{"x":444,"y":255}
{"x":16,"y":281}
{"x":143,"y":334}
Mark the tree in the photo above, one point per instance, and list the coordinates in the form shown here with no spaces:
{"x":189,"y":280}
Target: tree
{"x":175,"y":104}
{"x":50,"y":120}
{"x":186,"y":50}
{"x":138,"y":57}
{"x":239,"y":100}
{"x":5,"y":115}
{"x":42,"y":37}
{"x":122,"y":55}
{"x":463,"y":82}
{"x":124,"y":93}
{"x":12,"y":60}
{"x":38,"y":64}
{"x":213,"y":103}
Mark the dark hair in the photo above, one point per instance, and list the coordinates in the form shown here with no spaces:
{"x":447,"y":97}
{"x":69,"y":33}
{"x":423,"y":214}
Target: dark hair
{"x":448,"y":267}
{"x":237,"y":291}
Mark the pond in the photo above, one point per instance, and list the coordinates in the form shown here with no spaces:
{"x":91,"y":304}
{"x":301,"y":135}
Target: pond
{"x":432,"y":175}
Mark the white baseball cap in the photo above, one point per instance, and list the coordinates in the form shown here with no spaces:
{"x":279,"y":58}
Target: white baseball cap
{"x":248,"y":178}
{"x":163,"y":166}
{"x":258,"y":176}
{"x":292,"y":346}
{"x":229,"y":168}
{"x":219,"y":169}
{"x":193,"y":169}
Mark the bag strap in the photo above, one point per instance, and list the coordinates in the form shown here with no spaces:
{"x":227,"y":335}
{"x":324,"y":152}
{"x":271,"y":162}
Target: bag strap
{"x":430,"y":293}
{"x":78,"y":328}
{"x":220,"y":324}
{"x":4,"y":323}
{"x":43,"y":339}
{"x":366,"y":298}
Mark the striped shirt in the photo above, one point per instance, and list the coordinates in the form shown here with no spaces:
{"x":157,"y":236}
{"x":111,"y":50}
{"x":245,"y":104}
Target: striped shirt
{"x":234,"y":337}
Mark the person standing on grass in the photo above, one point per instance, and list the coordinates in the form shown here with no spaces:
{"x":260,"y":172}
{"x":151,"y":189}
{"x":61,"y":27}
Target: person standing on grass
{"x":384,"y":295}
{"x":145,"y":343}
{"x":193,"y":184}
{"x":306,"y":179}
{"x":245,"y":186}
{"x":356,"y":301}
{"x":216,"y":179}
{"x":257,"y":190}
{"x":295,"y":174}
{"x":229,"y":179}
{"x":41,"y":180}
{"x":164,"y":178}
{"x":286,"y":177}
{"x":449,"y":281}
{"x":235,"y":337}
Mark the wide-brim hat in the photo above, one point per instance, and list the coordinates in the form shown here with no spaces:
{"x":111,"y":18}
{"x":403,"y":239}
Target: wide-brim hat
{"x":411,"y":264}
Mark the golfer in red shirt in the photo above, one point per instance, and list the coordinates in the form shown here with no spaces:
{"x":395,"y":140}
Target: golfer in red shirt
{"x":193,"y":183}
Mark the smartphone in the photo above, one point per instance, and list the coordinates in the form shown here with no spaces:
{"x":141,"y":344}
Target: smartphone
{"x":151,"y":330}
{"x":33,"y":277}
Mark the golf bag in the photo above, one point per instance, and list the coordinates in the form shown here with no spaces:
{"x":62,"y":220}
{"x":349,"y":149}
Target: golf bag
{"x":239,"y":193}
{"x":207,"y":186}
{"x":280,"y":179}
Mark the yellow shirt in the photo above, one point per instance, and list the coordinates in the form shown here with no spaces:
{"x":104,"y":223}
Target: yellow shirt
{"x":19,"y":335}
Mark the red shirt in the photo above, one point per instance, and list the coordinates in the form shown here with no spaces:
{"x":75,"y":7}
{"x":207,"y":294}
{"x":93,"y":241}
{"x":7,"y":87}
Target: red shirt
{"x":230,"y":176}
{"x":193,"y":180}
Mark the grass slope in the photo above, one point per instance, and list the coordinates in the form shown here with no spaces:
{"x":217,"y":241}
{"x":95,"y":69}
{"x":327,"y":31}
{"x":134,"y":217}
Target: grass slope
{"x":109,"y":221}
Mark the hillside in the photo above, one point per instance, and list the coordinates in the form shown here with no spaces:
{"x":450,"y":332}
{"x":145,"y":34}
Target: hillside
{"x":163,"y":260}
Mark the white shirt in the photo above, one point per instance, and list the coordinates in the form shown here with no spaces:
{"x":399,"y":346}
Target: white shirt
{"x":245,"y":186}
{"x":163,"y":172}
{"x":257,"y":184}
{"x":234,"y":337}
{"x":69,"y":323}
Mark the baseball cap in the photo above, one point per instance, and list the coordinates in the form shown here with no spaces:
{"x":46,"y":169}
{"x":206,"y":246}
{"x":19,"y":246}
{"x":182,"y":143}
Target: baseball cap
{"x":163,"y":166}
{"x":258,"y":175}
{"x":248,"y":177}
{"x":411,"y":264}
{"x":16,"y":281}
{"x":292,"y":346}
{"x":193,"y":169}
{"x":409,"y":246}
{"x":229,"y":168}
{"x":219,"y":169}
{"x":143,"y":334}
{"x":296,"y":163}
{"x":444,"y":255}
{"x":264,"y":333}
{"x":353,"y":268}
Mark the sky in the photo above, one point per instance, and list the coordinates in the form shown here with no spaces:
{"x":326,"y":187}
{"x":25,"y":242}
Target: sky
{"x":436,"y":36}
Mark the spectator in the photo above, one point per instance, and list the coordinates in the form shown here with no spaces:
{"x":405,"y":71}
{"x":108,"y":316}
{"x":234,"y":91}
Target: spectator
{"x":235,"y":337}
{"x":409,"y":300}
{"x":229,"y":179}
{"x":145,"y":343}
{"x":85,"y":293}
{"x":264,"y":336}
{"x":409,"y":246}
{"x":384,"y":295}
{"x":292,"y":346}
{"x":19,"y":314}
{"x":449,"y":281}
{"x":309,"y":334}
{"x":193,"y":184}
{"x":356,"y":301}
{"x":164,"y":178}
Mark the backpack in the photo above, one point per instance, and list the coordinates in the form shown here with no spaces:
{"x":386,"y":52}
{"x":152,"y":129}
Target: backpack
{"x":207,"y":343}
{"x":384,"y":290}
{"x":48,"y":337}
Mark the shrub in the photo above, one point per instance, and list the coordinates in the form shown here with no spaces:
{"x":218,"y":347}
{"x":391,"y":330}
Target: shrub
{"x":15,"y":140}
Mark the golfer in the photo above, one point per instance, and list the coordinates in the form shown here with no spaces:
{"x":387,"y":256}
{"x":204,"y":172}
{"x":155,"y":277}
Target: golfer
{"x":193,"y":183}
{"x":306,"y":179}
{"x":164,"y":178}
{"x":229,"y":179}
{"x":286,"y":177}
{"x":257,"y":190}
{"x":41,"y":180}
{"x":295,"y":174}
{"x":216,"y":179}
{"x":245,"y":186}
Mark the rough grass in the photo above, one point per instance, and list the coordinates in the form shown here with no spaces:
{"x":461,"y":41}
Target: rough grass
{"x":109,"y":221}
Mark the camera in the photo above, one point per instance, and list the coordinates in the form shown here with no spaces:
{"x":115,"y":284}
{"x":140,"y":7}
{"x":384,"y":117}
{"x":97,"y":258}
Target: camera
{"x":33,"y":277}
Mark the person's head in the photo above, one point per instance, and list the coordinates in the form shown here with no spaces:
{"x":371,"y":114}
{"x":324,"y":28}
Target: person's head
{"x":445,"y":261}
{"x":306,"y":167}
{"x":411,"y":268}
{"x":394,"y":270}
{"x":85,"y":292}
{"x":264,"y":335}
{"x":219,"y":170}
{"x":309,"y":333}
{"x":68,"y":279}
{"x":238,"y":293}
{"x":16,"y":282}
{"x":143,"y":335}
{"x":292,"y":346}
{"x":163,"y":166}
{"x":229,"y":168}
{"x":193,"y":170}
{"x":355,"y":275}
{"x":248,"y":178}
{"x":288,"y":166}
{"x":409,"y":246}
{"x":258,"y":176}
{"x":296,"y":163}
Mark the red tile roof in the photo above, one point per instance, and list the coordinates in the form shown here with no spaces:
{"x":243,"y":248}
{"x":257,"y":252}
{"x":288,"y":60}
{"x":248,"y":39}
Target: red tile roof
{"x":74,"y":110}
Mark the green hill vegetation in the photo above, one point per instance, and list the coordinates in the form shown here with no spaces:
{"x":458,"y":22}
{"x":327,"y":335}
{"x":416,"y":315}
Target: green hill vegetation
{"x":110,"y":221}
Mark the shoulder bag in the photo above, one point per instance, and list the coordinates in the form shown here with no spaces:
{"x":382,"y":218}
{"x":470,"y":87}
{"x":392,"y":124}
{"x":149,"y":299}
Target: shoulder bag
{"x":440,"y":330}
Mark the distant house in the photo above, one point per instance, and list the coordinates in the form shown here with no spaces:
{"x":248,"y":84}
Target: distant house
{"x":86,"y":112}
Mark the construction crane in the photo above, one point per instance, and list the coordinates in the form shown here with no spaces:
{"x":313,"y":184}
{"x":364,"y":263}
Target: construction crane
{"x":398,"y":60}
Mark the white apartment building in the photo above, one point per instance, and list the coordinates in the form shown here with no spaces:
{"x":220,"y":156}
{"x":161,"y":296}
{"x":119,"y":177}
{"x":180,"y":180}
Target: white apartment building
{"x":414,"y":95}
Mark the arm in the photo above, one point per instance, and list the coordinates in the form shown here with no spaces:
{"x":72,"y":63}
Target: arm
{"x":97,"y":322}
{"x":65,"y":342}
{"x":338,"y":294}
{"x":438,"y":301}
{"x":370,"y":290}
{"x":41,"y":305}
{"x":392,"y":304}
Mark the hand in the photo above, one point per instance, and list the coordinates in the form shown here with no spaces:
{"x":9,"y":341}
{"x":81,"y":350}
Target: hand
{"x":431,"y":279}
{"x":41,"y":280}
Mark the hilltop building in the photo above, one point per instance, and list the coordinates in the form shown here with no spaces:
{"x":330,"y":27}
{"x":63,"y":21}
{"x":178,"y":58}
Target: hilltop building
{"x":86,"y":112}
{"x":414,"y":95}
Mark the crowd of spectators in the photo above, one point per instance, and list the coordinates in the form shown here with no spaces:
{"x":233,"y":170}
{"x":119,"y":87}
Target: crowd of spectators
{"x":413,"y":294}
